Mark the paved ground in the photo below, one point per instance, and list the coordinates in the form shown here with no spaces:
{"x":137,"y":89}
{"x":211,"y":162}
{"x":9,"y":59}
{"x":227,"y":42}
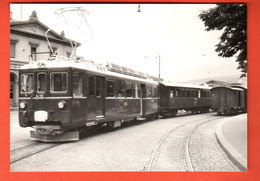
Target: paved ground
{"x":232,"y":136}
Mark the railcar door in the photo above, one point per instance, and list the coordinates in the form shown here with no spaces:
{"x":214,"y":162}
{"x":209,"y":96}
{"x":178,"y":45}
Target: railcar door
{"x":143,"y":102}
{"x":95,"y":99}
{"x":78,"y":104}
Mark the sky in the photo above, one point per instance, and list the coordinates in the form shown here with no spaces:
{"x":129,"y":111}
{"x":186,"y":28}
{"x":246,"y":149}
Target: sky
{"x":117,"y":33}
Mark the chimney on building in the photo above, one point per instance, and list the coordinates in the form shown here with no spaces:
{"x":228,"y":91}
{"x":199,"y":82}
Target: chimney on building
{"x":33,"y":16}
{"x":62,"y":33}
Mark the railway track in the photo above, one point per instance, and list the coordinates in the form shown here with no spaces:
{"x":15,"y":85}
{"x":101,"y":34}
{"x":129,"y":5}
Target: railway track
{"x":29,"y":150}
{"x":192,"y":126}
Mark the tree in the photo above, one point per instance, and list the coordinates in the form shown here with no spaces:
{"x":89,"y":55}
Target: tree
{"x":232,"y":19}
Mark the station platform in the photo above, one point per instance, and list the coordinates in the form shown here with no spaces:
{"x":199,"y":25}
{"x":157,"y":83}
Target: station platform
{"x":231,"y":134}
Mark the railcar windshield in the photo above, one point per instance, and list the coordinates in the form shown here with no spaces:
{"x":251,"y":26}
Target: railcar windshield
{"x":27,"y":85}
{"x":59,"y":82}
{"x":41,"y":82}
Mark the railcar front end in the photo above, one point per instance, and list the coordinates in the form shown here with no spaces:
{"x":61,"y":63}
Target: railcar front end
{"x":46,"y":104}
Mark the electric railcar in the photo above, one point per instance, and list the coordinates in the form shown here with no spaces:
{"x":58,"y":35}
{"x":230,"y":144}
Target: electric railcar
{"x":60,"y":97}
{"x":229,"y":99}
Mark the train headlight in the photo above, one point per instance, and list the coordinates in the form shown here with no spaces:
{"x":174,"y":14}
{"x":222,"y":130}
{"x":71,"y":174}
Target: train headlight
{"x":61,"y":104}
{"x":22,"y":105}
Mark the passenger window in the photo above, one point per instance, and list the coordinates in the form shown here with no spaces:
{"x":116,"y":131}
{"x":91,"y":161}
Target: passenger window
{"x":188,"y":93}
{"x":110,"y":88}
{"x":198,"y":93}
{"x":77,"y":84}
{"x":91,"y":85}
{"x":59,"y":82}
{"x":129,"y":89}
{"x":177,"y":92}
{"x":121,"y":88}
{"x":148,"y":91}
{"x":41,"y":82}
{"x":171,"y":93}
{"x":137,"y":90}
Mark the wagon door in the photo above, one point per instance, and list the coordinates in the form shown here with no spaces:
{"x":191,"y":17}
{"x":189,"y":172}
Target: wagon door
{"x":95,"y":98}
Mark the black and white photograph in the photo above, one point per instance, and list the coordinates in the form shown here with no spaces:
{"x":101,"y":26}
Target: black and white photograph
{"x":128,"y":87}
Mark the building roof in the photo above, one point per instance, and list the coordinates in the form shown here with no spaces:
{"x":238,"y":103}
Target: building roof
{"x":24,"y":28}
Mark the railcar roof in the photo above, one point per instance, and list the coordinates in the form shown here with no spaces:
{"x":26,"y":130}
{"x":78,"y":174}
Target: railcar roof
{"x":170,"y":84}
{"x":64,"y":62}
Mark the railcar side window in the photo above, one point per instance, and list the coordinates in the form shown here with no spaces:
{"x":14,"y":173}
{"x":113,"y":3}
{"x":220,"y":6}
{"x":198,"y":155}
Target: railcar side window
{"x":41,"y":82}
{"x":59,"y":82}
{"x":137,"y":90}
{"x":77,"y":84}
{"x":129,"y":89}
{"x":121,"y":88}
{"x":91,"y":84}
{"x":110,"y":88}
{"x":198,"y":93}
{"x":27,"y":84}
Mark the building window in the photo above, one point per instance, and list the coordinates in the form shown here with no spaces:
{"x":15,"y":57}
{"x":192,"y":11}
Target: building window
{"x":54,"y":52}
{"x":68,"y":54}
{"x":33,"y":53}
{"x":12,"y":48}
{"x":33,"y":50}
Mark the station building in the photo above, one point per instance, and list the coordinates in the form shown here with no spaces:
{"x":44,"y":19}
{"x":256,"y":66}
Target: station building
{"x":28,"y":42}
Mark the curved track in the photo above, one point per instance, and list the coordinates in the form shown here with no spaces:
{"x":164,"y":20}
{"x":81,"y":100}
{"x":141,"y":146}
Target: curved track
{"x":189,"y":128}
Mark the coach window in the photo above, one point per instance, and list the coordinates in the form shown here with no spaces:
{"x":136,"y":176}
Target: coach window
{"x":110,"y":88}
{"x":177,"y":92}
{"x":59,"y":82}
{"x":91,"y":85}
{"x":188,"y":93}
{"x":129,"y":89}
{"x":41,"y":82}
{"x":154,"y":95}
{"x":27,"y":85}
{"x":156,"y":91}
{"x":198,"y":93}
{"x":77,"y":84}
{"x":120,"y":88}
{"x":148,"y":91}
{"x":171,"y":93}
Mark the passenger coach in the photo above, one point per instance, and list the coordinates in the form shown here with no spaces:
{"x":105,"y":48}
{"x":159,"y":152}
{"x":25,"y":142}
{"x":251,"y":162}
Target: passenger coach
{"x":58,"y":98}
{"x":174,"y":97}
